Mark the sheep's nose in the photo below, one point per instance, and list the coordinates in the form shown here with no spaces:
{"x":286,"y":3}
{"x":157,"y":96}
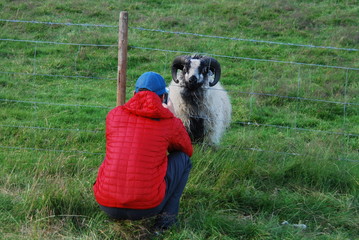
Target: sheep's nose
{"x":192,"y":79}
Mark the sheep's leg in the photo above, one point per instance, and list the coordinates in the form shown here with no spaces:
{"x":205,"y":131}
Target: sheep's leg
{"x":196,"y":129}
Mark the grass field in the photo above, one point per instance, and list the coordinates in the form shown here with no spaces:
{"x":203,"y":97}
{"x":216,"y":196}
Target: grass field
{"x":291,"y":153}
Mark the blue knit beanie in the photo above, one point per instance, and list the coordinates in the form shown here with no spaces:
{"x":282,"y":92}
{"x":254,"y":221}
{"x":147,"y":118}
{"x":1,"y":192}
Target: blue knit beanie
{"x":151,"y":81}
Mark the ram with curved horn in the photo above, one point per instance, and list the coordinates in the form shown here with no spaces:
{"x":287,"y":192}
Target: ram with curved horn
{"x":199,"y":99}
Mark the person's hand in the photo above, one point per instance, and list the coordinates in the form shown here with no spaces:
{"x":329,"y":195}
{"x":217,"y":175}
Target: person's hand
{"x":169,"y":106}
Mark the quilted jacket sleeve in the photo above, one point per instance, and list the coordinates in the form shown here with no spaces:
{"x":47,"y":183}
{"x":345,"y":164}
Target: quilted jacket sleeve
{"x":180,"y":140}
{"x":109,"y":119}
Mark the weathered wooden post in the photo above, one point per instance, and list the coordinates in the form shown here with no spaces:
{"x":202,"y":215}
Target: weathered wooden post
{"x":122,"y":58}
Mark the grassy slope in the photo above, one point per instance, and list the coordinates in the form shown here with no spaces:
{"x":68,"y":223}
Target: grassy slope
{"x":233,"y":193}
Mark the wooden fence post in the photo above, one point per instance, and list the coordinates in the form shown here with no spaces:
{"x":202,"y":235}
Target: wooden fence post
{"x":122,"y":58}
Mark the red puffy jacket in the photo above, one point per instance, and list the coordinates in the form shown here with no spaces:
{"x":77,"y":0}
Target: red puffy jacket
{"x":139,"y":135}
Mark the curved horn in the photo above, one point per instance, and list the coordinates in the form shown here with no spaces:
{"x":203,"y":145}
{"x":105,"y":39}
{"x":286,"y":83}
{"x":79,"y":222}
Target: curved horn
{"x":215,"y":67}
{"x":178,"y":63}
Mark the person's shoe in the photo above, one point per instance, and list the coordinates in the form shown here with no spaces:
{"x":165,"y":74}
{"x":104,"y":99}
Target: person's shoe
{"x":164,"y":222}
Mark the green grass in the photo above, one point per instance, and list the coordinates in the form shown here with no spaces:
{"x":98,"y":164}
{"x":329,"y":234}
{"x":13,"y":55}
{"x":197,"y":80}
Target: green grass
{"x":52,"y":135}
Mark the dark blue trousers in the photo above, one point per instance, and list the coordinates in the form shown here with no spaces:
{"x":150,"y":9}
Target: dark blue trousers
{"x":179,"y":166}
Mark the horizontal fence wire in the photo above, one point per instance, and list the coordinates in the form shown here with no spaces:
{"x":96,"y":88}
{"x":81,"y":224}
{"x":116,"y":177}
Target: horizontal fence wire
{"x":56,"y":75}
{"x":246,"y":40}
{"x":49,"y":128}
{"x":295,"y":128}
{"x":279,"y":96}
{"x":224,"y":147}
{"x":241,"y":92}
{"x":172,"y":51}
{"x":186,"y":52}
{"x":201,"y":117}
{"x":56,"y":23}
{"x":246,"y":58}
{"x":50,"y":103}
{"x":229,"y":91}
{"x":50,"y":150}
{"x":57,"y":43}
{"x":183,"y":33}
{"x":297,"y":98}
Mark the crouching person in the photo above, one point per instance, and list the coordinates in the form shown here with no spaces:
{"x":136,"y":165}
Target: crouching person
{"x":147,"y":160}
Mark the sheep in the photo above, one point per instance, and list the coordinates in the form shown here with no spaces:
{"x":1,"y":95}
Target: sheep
{"x":198,"y":98}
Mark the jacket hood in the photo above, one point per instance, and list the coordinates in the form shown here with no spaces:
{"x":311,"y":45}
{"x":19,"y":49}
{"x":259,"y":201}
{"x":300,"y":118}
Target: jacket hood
{"x":147,"y":104}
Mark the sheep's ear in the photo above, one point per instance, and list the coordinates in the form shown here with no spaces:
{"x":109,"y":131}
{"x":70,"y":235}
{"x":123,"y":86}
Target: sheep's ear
{"x":217,"y":76}
{"x":215,"y":67}
{"x":174,"y":73}
{"x":178,"y":63}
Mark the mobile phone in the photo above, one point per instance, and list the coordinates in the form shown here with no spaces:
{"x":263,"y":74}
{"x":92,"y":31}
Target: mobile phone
{"x":165,"y":96}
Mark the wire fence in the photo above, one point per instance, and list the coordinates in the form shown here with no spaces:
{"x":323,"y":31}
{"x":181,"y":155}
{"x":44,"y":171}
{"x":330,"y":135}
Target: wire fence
{"x":181,"y":33}
{"x":181,"y":52}
{"x":241,"y":122}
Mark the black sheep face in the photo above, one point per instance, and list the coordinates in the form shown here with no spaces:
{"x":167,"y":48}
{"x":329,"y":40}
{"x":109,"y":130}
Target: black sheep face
{"x":195,"y":74}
